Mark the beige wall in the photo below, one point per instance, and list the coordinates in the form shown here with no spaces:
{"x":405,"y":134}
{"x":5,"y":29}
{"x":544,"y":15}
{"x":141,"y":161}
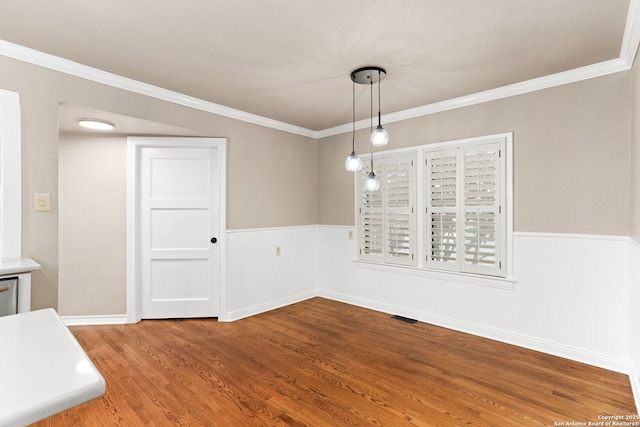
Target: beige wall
{"x":271,"y":175}
{"x":571,"y":145}
{"x":92,"y":182}
{"x":571,"y":148}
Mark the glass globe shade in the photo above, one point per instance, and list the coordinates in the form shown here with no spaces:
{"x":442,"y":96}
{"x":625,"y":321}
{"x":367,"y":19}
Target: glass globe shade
{"x":379,"y":136}
{"x":372,"y":182}
{"x":353,"y":163}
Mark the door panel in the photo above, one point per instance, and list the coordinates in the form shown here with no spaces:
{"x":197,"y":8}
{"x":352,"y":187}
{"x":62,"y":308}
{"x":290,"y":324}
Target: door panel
{"x":178,"y":207}
{"x":179,"y":178}
{"x":181,"y":228}
{"x":191,"y":274}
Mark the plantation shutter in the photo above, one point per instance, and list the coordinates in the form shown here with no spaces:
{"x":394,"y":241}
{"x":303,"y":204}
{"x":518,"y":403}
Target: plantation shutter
{"x":370,"y":218}
{"x":399,"y":194}
{"x":442,"y":223}
{"x":482,"y":209}
{"x":462,"y":192}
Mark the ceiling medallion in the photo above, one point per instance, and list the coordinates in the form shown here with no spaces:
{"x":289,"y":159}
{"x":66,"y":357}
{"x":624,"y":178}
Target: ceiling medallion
{"x":368,"y":75}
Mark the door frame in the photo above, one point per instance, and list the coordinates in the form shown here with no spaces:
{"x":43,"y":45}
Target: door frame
{"x":10,"y":175}
{"x":134,"y":149}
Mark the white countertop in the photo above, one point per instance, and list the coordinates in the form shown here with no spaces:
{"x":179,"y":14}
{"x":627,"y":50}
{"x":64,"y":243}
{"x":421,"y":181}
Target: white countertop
{"x":17,"y":265}
{"x":43,"y":369}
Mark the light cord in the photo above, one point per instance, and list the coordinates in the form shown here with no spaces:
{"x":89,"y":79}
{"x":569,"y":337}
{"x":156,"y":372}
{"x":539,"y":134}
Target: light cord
{"x":379,"y":108}
{"x":371,"y":125}
{"x":353,"y":133}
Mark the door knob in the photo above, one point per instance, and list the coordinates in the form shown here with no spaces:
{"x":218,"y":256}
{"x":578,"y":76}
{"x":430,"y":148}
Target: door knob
{"x":214,"y":240}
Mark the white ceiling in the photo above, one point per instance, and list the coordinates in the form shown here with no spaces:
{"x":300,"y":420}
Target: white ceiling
{"x":290,"y":60}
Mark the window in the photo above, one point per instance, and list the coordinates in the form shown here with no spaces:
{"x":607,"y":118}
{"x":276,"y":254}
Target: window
{"x":386,"y":218}
{"x":464,"y":197}
{"x":464,"y":189}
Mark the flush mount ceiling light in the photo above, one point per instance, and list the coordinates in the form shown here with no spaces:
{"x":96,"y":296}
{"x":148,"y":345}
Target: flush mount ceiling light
{"x":379,"y":136}
{"x":96,"y":124}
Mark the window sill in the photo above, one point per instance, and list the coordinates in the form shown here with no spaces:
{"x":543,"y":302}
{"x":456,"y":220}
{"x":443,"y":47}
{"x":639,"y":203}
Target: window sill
{"x":463,"y":278}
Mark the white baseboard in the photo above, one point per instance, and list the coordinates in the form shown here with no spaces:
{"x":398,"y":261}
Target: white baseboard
{"x":120,"y":319}
{"x":108,"y":319}
{"x":231,"y":316}
{"x":548,"y":347}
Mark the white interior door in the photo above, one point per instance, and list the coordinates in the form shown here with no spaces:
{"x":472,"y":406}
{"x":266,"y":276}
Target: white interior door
{"x":179,"y":226}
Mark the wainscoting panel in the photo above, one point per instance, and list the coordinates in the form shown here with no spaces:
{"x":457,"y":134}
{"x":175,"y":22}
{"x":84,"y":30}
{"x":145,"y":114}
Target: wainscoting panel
{"x":258,"y":279}
{"x":570,"y":298}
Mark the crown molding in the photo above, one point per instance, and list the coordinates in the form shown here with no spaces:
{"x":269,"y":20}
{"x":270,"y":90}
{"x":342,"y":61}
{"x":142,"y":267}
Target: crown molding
{"x":629,"y":47}
{"x":631,"y":37}
{"x":79,"y":70}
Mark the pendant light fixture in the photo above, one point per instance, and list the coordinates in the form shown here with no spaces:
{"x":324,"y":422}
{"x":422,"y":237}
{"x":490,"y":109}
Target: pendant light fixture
{"x":372,"y":182}
{"x":369,"y":75}
{"x":380,"y":136}
{"x":353,"y":163}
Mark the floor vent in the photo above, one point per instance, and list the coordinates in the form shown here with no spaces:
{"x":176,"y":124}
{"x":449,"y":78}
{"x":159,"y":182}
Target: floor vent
{"x":404,"y":319}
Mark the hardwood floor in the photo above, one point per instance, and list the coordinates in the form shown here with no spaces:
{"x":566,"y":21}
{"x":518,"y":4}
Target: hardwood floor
{"x":323,"y":363}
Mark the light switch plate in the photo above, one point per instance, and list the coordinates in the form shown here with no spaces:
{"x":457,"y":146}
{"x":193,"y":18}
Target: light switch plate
{"x":41,"y":202}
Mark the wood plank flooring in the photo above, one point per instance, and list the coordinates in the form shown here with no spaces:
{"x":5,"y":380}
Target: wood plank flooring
{"x":323,"y":363}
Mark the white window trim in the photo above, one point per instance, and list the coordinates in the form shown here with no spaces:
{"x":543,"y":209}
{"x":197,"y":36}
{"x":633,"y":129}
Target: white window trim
{"x":421,"y":270}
